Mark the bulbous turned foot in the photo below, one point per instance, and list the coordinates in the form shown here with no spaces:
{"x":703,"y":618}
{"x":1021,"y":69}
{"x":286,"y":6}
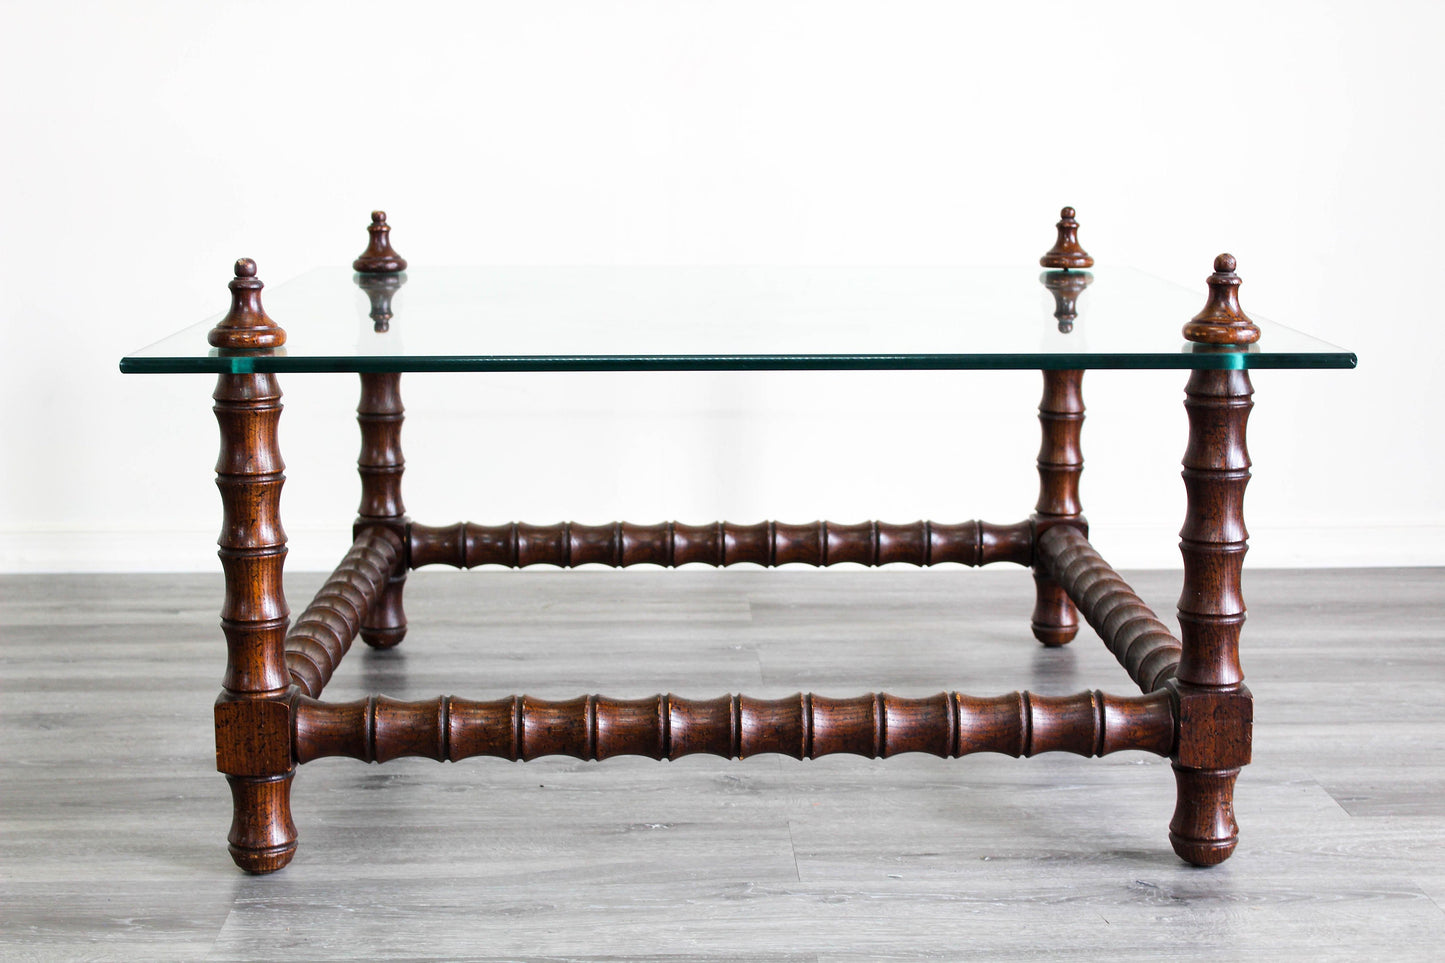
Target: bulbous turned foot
{"x":1054,"y":635}
{"x":385,"y":624}
{"x":1055,"y":621}
{"x":1203,"y":831}
{"x":383,"y":638}
{"x":263,"y":837}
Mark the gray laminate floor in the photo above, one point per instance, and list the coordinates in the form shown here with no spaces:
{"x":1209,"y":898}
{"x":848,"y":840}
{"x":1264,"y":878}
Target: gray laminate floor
{"x":113,"y":822}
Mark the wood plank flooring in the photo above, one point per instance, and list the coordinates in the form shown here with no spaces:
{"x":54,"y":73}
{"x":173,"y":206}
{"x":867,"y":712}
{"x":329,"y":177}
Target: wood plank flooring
{"x":113,"y":820}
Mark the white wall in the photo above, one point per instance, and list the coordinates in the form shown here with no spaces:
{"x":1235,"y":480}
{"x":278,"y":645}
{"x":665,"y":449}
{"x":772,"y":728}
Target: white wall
{"x":147,"y":145}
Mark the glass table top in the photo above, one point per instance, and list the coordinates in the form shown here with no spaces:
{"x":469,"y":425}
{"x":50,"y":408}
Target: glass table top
{"x":721,"y":318}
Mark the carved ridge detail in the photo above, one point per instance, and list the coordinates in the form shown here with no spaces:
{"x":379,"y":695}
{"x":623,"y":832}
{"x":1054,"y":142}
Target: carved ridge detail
{"x":803,"y":726}
{"x":1142,"y":643}
{"x":252,"y":714}
{"x":621,"y":544}
{"x":323,"y":633}
{"x":1060,"y":463}
{"x":380,"y":415}
{"x":1214,"y":709}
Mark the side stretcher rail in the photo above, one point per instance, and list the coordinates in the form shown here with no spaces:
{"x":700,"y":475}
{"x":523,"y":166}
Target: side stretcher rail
{"x":1143,"y":645}
{"x":324,"y":632}
{"x":803,"y":726}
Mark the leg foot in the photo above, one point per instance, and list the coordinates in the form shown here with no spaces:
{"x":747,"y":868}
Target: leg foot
{"x":263,"y":837}
{"x":1203,"y":831}
{"x":1055,"y":620}
{"x":385,"y":624}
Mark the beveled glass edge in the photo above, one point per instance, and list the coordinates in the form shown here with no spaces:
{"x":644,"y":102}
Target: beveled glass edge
{"x":1184,"y":359}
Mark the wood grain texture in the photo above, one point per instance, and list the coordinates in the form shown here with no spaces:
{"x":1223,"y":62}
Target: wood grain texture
{"x":803,"y":726}
{"x":1061,"y":461}
{"x":252,"y":712}
{"x":1143,"y":645}
{"x":379,"y":257}
{"x":323,"y":633}
{"x":246,"y":326}
{"x":1213,"y":706}
{"x":620,"y":544}
{"x":1066,"y":252}
{"x":109,"y":840}
{"x":380,"y":415}
{"x":1222,"y":321}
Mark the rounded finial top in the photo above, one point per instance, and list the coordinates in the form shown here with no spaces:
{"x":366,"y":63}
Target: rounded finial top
{"x":1066,"y":252}
{"x":379,"y":256}
{"x":1222,"y":321}
{"x":246,"y":326}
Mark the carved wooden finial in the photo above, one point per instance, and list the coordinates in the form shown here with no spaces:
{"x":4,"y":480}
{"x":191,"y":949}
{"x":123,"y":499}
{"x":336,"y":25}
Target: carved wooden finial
{"x":246,"y":325}
{"x":379,"y":258}
{"x":1066,"y":252}
{"x":1222,"y":321}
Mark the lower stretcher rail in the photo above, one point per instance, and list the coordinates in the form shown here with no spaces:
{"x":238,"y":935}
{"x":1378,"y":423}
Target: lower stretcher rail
{"x":803,"y":726}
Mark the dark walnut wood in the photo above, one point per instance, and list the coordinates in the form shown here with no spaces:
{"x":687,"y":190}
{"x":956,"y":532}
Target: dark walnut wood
{"x":803,"y":726}
{"x":1066,"y":252}
{"x":620,"y":544}
{"x":379,"y":258}
{"x":1061,"y":461}
{"x":269,"y":718}
{"x":380,"y":464}
{"x":253,"y":715}
{"x":1222,"y":321}
{"x":1142,"y":643}
{"x":380,"y":288}
{"x":246,"y":326}
{"x":1066,"y":286}
{"x":1214,"y":709}
{"x":324,"y":632}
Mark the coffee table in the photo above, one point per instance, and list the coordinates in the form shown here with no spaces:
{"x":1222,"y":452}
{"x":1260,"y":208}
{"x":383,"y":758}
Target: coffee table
{"x":379,"y":320}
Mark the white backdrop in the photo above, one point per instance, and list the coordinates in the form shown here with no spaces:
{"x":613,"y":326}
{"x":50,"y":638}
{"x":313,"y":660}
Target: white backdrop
{"x":147,"y":145}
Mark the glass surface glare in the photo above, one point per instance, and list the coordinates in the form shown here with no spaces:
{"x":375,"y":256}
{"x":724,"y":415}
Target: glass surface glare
{"x":742,"y":318}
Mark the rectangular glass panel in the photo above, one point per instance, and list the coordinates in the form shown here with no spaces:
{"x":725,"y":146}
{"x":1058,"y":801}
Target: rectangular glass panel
{"x":680,"y":318}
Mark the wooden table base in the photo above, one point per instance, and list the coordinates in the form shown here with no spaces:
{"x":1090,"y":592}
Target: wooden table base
{"x":270,"y":718}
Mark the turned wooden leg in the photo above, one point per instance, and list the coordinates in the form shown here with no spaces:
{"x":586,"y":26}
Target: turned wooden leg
{"x":253,"y":712}
{"x":380,"y":464}
{"x":1061,"y":460}
{"x":1213,"y":708}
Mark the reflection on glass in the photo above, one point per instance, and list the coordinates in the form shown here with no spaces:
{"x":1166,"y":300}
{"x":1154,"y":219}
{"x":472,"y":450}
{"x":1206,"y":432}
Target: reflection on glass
{"x":379,"y":289}
{"x":732,"y":318}
{"x":1066,"y":286}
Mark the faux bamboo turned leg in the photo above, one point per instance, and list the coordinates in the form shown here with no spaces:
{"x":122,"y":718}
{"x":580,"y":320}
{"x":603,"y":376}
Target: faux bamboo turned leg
{"x":1061,"y":461}
{"x":1215,"y":710}
{"x":253,"y":713}
{"x":380,"y":464}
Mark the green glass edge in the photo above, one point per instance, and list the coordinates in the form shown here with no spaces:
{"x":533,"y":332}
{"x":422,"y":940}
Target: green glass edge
{"x":820,"y":362}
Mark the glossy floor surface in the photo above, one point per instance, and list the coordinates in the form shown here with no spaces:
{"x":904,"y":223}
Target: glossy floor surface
{"x":113,"y":821}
